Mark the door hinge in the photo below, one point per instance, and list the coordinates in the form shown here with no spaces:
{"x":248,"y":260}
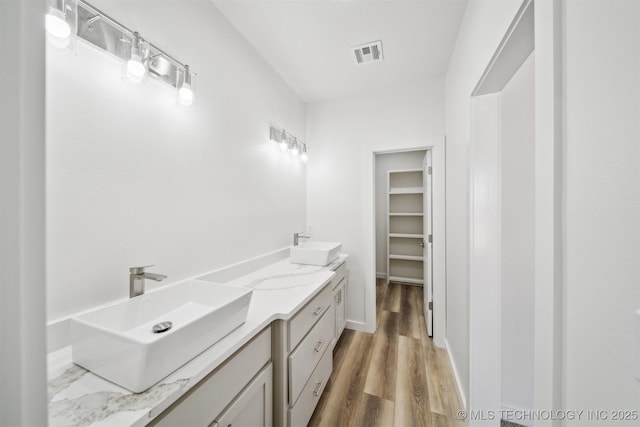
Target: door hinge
{"x":431,"y":305}
{"x":430,"y":238}
{"x":429,"y":170}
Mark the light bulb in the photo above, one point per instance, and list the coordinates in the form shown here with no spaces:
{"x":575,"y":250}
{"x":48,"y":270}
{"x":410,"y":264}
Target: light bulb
{"x":135,"y":69}
{"x":304,"y":157}
{"x":294,"y":151}
{"x":185,"y":87}
{"x":283,"y":145}
{"x":185,"y":95}
{"x":58,"y":29}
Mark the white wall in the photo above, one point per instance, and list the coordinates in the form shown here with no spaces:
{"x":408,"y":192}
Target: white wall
{"x":517,"y":187}
{"x":339,"y":133}
{"x":484,"y":24}
{"x":602,"y":134}
{"x":385,"y":163}
{"x":133,"y":180}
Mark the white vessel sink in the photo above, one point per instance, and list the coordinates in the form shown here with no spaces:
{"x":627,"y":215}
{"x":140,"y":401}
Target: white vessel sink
{"x":117,"y":342}
{"x":315,"y":253}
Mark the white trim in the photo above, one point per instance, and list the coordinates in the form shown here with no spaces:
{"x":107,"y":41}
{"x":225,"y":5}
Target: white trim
{"x":437,"y":145}
{"x":514,"y":48}
{"x":456,"y":375}
{"x":23,"y":368}
{"x":548,"y":338}
{"x":485,"y":329}
{"x":381,"y":275}
{"x":357,"y":326}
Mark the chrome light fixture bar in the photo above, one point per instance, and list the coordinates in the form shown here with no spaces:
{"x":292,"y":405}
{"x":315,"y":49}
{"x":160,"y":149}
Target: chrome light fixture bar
{"x":288,"y":142}
{"x":141,"y":58}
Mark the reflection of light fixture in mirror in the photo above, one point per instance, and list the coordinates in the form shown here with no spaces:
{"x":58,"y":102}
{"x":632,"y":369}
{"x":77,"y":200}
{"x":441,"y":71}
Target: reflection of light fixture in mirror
{"x":274,"y":135}
{"x":185,"y":91}
{"x":135,"y":69}
{"x":60,"y":23}
{"x":303,"y":155}
{"x":283,"y":141}
{"x":294,"y":148}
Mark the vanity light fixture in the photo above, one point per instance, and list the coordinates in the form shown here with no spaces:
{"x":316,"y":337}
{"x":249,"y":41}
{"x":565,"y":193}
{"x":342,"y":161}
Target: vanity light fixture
{"x":289,"y":143}
{"x":67,"y":20}
{"x":185,"y":93}
{"x":274,"y":135}
{"x":60,"y":22}
{"x":284,"y":144}
{"x":135,"y":68}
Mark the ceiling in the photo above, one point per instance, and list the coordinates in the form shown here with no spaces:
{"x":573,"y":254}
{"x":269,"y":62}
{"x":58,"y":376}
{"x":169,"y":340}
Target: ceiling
{"x":308,"y":41}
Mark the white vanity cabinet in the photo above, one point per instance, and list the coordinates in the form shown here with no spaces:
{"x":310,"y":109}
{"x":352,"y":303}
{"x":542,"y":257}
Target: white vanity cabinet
{"x":237,"y":393}
{"x":303,"y":352}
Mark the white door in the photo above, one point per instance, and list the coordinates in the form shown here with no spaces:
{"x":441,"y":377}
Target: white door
{"x":428,"y":242}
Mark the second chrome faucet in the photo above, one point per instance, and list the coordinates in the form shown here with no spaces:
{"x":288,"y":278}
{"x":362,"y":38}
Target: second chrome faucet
{"x":298,"y":236}
{"x":136,"y":279}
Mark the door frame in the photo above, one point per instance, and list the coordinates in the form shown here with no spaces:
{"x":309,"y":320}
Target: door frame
{"x":437,"y":147}
{"x":427,"y":224}
{"x":539,"y":26}
{"x":23,"y":368}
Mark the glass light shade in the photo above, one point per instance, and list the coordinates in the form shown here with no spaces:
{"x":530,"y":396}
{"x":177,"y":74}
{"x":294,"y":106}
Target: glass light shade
{"x":135,"y":69}
{"x":274,"y":135}
{"x":58,"y":29}
{"x":294,"y":149}
{"x":304,"y":157}
{"x":186,"y":87}
{"x":284,"y":144}
{"x":185,"y":95}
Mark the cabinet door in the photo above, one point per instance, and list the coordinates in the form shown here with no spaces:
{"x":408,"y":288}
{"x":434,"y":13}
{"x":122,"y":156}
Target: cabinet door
{"x":253,"y":406}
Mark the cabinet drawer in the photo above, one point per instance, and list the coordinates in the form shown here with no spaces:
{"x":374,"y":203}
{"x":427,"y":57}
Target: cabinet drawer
{"x":202,"y":404}
{"x":300,"y":413}
{"x":305,"y":358}
{"x":307,"y":316}
{"x":341,"y":273}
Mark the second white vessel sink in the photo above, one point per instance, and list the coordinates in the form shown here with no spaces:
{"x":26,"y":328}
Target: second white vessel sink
{"x":315,"y":253}
{"x":118,"y":342}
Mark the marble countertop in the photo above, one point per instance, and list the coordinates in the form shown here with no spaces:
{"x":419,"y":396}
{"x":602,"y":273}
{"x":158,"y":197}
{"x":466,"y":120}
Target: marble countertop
{"x":78,"y":397}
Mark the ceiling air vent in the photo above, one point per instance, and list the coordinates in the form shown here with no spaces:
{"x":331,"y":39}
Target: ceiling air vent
{"x":369,"y":52}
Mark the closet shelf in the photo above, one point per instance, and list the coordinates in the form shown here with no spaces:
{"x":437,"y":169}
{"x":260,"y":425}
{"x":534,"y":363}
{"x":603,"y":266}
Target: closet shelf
{"x":411,"y":280}
{"x":406,"y":257}
{"x":406,"y":190}
{"x":405,"y":235}
{"x":405,"y":220}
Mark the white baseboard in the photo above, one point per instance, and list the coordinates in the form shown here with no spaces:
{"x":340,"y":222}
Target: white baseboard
{"x":463,"y":397}
{"x":358,"y":326}
{"x":515,"y":411}
{"x":381,"y":275}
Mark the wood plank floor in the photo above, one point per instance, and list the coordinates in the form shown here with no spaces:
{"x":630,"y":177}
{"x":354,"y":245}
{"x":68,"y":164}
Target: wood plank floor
{"x":395,"y":377}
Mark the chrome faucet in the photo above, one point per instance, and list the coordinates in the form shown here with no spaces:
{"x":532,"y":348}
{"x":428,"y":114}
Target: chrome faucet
{"x":136,"y":279}
{"x":298,"y":236}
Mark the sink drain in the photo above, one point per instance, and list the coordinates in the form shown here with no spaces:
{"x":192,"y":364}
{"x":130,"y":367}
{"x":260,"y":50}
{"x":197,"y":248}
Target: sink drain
{"x":161,"y":327}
